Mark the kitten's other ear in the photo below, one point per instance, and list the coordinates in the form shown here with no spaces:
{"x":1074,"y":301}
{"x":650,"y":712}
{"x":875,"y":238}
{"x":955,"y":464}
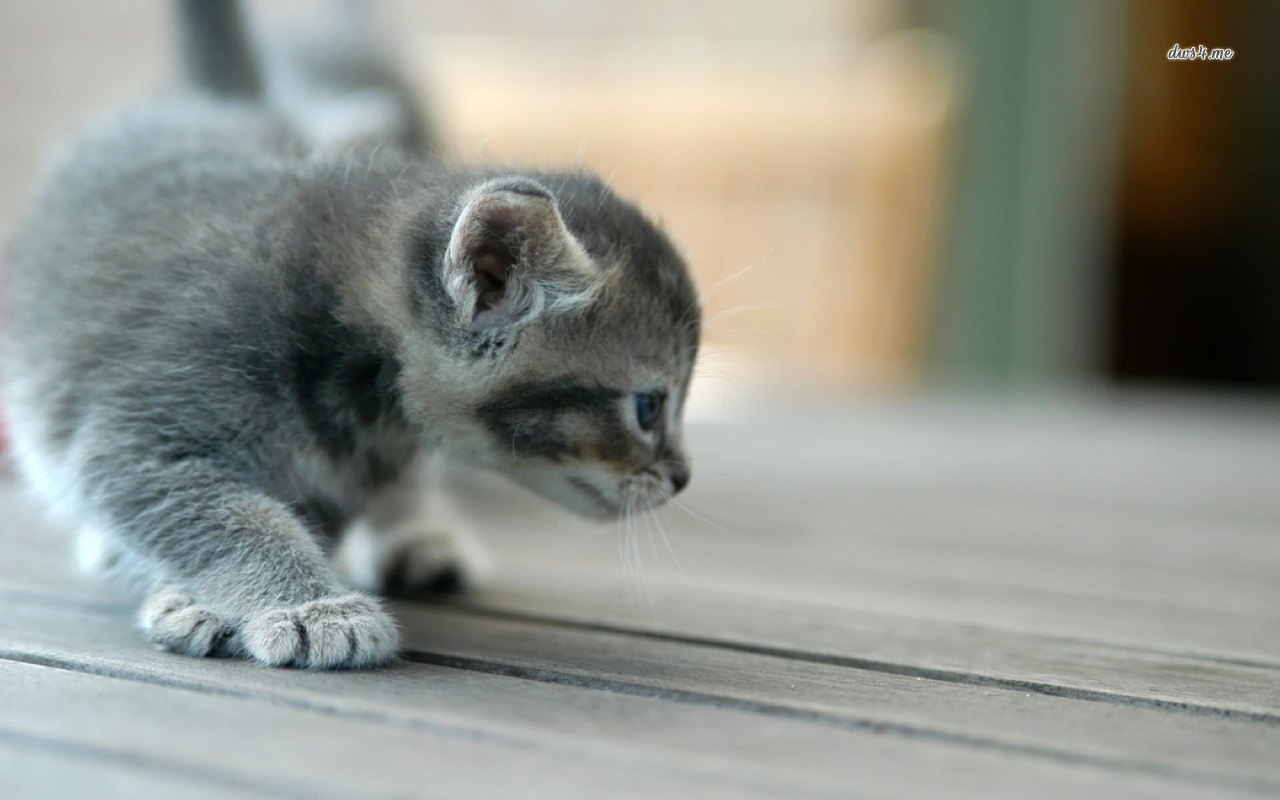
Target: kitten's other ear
{"x":511,"y":258}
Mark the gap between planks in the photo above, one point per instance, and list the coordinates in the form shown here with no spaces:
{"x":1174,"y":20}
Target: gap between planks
{"x":892,"y":668}
{"x":494,"y":746}
{"x":887,"y":667}
{"x":1150,"y":769}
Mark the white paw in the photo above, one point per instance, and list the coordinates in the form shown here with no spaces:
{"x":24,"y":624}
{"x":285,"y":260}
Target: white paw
{"x":411,"y":563}
{"x":175,"y":622}
{"x":422,"y":564}
{"x":345,"y":632}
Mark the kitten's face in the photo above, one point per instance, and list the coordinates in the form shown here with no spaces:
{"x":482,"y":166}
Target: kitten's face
{"x":575,"y":330}
{"x":597,"y":425}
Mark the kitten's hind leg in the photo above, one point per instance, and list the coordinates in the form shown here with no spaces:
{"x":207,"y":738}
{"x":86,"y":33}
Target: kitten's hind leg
{"x":412,"y":561}
{"x":400,"y":548}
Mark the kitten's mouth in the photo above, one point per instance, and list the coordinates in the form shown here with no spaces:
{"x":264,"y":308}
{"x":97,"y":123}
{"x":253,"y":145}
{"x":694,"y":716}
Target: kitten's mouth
{"x":597,"y":496}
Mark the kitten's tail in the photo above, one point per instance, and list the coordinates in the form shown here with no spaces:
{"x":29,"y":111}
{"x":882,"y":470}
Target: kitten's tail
{"x":214,"y":49}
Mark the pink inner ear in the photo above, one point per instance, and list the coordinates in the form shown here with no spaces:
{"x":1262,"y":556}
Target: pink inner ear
{"x":491,"y":269}
{"x":498,"y":232}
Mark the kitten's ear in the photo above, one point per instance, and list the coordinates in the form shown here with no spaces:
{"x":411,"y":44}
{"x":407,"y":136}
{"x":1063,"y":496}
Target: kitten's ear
{"x":511,"y":258}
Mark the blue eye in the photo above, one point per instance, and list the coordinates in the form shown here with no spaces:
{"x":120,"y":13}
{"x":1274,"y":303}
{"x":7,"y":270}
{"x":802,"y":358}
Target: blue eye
{"x":648,"y":409}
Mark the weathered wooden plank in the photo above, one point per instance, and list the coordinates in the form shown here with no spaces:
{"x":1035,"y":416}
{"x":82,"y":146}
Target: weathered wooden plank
{"x":853,"y":545}
{"x":589,"y":576}
{"x":1122,"y":734}
{"x":788,"y":549}
{"x":1184,"y":455}
{"x":784,"y":612}
{"x":34,"y":767}
{"x":1057,"y":544}
{"x":1164,"y":626}
{"x":1157,"y":538}
{"x":1130,"y":576}
{"x":953,"y":581}
{"x":1162,"y":613}
{"x":980,"y":655}
{"x":654,"y":718}
{"x":1061,"y":546}
{"x":226,"y":737}
{"x":1116,"y":568}
{"x":946,"y":651}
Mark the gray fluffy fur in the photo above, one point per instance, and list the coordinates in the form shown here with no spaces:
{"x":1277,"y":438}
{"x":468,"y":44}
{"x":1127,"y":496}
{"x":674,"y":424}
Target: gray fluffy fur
{"x":224,"y":343}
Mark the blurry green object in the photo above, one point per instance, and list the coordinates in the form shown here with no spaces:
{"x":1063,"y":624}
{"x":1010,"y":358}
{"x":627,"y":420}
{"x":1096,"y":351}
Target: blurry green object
{"x":1021,"y":291}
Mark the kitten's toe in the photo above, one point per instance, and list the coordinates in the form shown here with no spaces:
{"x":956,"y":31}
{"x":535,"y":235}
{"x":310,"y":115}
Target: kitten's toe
{"x":345,"y":632}
{"x":423,"y":565}
{"x":175,"y":622}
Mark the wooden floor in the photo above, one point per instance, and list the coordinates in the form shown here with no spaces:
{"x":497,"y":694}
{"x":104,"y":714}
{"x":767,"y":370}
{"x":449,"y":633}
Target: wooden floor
{"x":909,"y":600}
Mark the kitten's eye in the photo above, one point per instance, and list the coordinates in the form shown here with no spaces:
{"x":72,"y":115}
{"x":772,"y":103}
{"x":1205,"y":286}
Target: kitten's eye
{"x":648,"y":409}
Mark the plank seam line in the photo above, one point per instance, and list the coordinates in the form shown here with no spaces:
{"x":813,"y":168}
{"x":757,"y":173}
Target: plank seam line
{"x":116,"y":672}
{"x":183,"y":769}
{"x":686,"y":697}
{"x":476,"y":734}
{"x":1241,"y":661}
{"x":120,"y":608}
{"x":893,"y":668}
{"x":865,"y":664}
{"x":863,"y":724}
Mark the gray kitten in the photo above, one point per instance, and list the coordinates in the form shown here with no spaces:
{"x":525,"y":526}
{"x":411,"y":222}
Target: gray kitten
{"x":224,"y":343}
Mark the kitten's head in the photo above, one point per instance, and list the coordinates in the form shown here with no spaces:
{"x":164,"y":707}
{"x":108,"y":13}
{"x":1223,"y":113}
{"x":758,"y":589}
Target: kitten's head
{"x":565,"y":327}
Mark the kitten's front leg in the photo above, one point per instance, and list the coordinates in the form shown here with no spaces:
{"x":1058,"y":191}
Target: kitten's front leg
{"x":175,"y":621}
{"x":237,"y":570}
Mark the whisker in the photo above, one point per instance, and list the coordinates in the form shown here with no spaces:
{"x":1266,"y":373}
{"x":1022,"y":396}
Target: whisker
{"x":742,"y":309}
{"x":661,"y":527}
{"x":701,"y":470}
{"x":622,"y":515}
{"x":647,"y":516}
{"x":643,"y":588}
{"x":676,"y":502}
{"x":739,"y":337}
{"x":628,"y":564}
{"x":709,"y":292}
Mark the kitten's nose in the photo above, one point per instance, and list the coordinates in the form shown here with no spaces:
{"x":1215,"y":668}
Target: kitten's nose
{"x":678,"y":471}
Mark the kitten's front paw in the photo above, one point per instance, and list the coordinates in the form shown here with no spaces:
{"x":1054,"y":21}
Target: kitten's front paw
{"x":175,"y":622}
{"x":345,"y":632}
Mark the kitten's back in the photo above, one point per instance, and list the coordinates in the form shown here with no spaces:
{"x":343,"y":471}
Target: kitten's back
{"x":141,"y":232}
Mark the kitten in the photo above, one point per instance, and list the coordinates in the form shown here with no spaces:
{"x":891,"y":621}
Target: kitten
{"x":224,"y":342}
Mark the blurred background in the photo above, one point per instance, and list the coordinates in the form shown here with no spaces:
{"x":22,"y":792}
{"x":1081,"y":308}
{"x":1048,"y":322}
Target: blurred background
{"x":875,"y":196}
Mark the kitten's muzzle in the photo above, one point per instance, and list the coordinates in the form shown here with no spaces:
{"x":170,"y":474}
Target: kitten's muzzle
{"x":678,"y":472}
